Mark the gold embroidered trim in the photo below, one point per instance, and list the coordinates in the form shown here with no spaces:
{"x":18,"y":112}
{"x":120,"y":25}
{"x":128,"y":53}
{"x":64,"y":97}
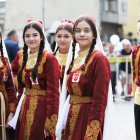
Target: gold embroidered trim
{"x":2,"y":87}
{"x":30,"y":116}
{"x":12,"y":107}
{"x":35,"y":92}
{"x":92,"y":131}
{"x":20,"y":60}
{"x":43,"y":60}
{"x":80,"y":99}
{"x":75,"y":111}
{"x":51,"y":124}
{"x":76,"y":88}
{"x":61,"y":58}
{"x":80,"y":59}
{"x":32,"y":57}
{"x":136,"y":65}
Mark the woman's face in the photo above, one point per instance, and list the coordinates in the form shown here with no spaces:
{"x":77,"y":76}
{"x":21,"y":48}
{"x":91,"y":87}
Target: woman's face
{"x":83,"y":35}
{"x":63,"y":39}
{"x":32,"y":39}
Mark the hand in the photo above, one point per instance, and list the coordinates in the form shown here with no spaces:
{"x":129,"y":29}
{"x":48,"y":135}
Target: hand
{"x":11,"y":115}
{"x":46,"y":133}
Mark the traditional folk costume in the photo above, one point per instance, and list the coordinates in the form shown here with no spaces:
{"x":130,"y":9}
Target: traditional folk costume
{"x":7,"y":95}
{"x":39,"y":108}
{"x":87,"y":101}
{"x":86,"y":98}
{"x":136,"y":87}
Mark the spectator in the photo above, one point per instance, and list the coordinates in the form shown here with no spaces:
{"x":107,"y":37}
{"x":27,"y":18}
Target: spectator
{"x":11,"y":43}
{"x":110,"y":55}
{"x":125,"y":52}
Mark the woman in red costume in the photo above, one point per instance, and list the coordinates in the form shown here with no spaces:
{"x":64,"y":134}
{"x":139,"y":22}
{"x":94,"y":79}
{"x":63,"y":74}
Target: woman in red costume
{"x":88,"y":79}
{"x":63,"y":39}
{"x":8,"y":99}
{"x":38,"y":72}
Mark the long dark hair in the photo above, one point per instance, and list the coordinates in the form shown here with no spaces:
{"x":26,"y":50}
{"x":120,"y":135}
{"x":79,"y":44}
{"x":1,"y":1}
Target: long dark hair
{"x":63,"y":27}
{"x":25,"y":52}
{"x":94,"y":31}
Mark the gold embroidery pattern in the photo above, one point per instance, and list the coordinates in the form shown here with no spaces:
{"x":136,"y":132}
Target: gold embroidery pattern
{"x":31,"y":60}
{"x":20,"y":60}
{"x":92,"y":131}
{"x":88,"y":63}
{"x":76,"y":89}
{"x":30,"y":116}
{"x":43,"y":60}
{"x":22,"y":108}
{"x":136,"y":65}
{"x":51,"y":123}
{"x":80,"y":99}
{"x":61,"y":58}
{"x":12,"y":107}
{"x":75,"y":111}
{"x":35,"y":92}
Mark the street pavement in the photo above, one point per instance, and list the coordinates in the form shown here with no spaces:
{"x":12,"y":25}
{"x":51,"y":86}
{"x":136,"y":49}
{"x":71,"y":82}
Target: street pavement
{"x":124,"y":119}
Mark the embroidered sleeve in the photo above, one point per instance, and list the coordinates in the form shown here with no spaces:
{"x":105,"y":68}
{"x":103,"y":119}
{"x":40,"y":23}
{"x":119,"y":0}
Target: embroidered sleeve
{"x":92,"y":130}
{"x":99,"y":99}
{"x":52,"y":84}
{"x":51,"y":124}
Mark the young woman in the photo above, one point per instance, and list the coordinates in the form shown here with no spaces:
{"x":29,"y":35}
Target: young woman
{"x":38,"y":72}
{"x":87,"y":84}
{"x":63,"y":39}
{"x":8,"y":99}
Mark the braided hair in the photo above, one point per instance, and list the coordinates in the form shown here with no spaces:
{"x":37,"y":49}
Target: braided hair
{"x":25,"y":53}
{"x":94,"y":31}
{"x":63,"y":27}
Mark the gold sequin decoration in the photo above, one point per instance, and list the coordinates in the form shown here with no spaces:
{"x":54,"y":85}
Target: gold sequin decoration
{"x":51,"y":124}
{"x":92,"y":131}
{"x":30,"y":116}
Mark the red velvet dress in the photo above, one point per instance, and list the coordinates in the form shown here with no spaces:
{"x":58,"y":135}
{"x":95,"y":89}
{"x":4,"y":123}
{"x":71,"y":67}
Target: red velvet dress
{"x":88,"y":99}
{"x":40,"y":106}
{"x":7,"y":89}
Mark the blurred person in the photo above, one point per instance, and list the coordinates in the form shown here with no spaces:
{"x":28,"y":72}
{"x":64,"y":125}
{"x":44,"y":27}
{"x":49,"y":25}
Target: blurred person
{"x":87,"y":84}
{"x":125,"y":52}
{"x":136,"y":83}
{"x":63,"y":39}
{"x":110,"y":55}
{"x":8,"y":99}
{"x":11,"y":43}
{"x":37,"y":72}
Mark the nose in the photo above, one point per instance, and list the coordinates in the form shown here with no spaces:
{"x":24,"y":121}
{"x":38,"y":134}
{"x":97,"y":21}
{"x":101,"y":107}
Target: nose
{"x":82,"y":33}
{"x":62,"y":39}
{"x":31,"y":37}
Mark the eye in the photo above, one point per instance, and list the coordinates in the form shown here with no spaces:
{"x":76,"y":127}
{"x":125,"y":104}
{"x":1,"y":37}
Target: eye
{"x":77,"y":30}
{"x":86,"y":30}
{"x":66,"y":36}
{"x":58,"y":36}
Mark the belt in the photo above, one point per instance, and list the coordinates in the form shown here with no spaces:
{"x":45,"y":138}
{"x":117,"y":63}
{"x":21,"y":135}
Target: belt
{"x":35,"y":92}
{"x":80,"y":99}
